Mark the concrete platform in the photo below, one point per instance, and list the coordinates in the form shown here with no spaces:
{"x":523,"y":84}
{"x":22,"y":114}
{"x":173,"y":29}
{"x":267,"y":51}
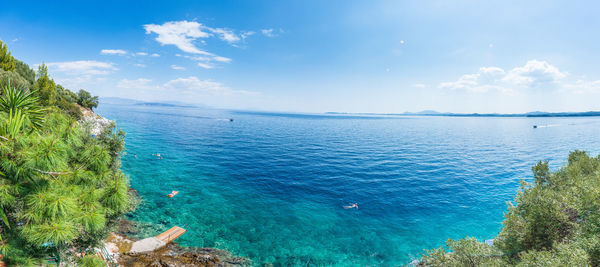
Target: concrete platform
{"x":147,"y":245}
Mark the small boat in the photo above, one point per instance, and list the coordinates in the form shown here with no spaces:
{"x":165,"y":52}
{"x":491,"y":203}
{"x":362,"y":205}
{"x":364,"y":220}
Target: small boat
{"x":534,"y":126}
{"x":173,"y":194}
{"x":231,"y":119}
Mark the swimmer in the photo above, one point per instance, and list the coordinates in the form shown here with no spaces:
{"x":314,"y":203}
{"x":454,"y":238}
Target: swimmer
{"x":135,"y":156}
{"x":351,"y":206}
{"x":157,"y":155}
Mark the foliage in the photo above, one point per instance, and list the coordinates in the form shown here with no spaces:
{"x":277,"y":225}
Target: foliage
{"x":7,"y":62}
{"x":465,"y":252}
{"x":45,"y":86}
{"x":86,"y":100}
{"x":58,"y":184}
{"x":25,"y":71}
{"x":15,"y":79}
{"x":90,"y":261}
{"x":554,"y":221}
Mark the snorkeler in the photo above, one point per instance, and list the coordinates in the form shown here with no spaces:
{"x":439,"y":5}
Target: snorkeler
{"x":351,"y":206}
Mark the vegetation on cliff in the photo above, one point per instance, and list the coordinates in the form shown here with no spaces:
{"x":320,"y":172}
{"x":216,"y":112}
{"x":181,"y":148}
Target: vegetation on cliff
{"x":59,"y":185}
{"x":553,"y":221}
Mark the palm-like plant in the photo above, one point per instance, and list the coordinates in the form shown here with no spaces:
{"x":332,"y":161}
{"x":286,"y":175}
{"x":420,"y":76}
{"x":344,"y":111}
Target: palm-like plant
{"x":22,"y":109}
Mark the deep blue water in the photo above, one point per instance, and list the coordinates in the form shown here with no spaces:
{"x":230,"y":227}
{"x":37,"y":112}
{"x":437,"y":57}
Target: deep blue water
{"x":271,"y":186}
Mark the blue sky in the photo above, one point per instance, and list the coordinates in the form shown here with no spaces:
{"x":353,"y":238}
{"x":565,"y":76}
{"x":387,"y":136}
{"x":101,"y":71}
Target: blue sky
{"x":318,"y":56}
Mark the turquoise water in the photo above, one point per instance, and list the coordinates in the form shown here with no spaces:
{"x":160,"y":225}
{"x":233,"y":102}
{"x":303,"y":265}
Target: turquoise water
{"x":271,"y":186}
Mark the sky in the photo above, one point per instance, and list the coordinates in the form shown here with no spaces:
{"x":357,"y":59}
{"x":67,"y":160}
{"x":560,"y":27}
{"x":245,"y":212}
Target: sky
{"x":319,"y":56}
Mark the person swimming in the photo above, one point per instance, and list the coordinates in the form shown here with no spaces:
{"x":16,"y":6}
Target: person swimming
{"x":135,"y":156}
{"x":157,"y":155}
{"x":351,"y":206}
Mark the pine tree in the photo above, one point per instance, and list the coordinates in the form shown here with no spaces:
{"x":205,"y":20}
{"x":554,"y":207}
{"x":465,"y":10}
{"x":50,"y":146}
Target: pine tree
{"x":7,"y":62}
{"x":45,"y":86}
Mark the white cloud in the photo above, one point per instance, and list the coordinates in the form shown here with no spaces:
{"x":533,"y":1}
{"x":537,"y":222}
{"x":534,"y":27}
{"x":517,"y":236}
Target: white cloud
{"x":140,"y":83}
{"x":183,"y":34}
{"x":82,"y":67}
{"x":207,"y":60}
{"x":155,"y":55}
{"x":191,"y":86}
{"x":419,"y":85}
{"x":77,"y":74}
{"x":247,"y":34}
{"x":205,"y":65}
{"x":175,"y":67}
{"x":534,"y":74}
{"x":178,"y":33}
{"x":194,"y":84}
{"x":268,"y":32}
{"x":140,"y":65}
{"x":582,"y":87}
{"x":119,"y":52}
{"x":226,"y":35}
{"x":141,"y":54}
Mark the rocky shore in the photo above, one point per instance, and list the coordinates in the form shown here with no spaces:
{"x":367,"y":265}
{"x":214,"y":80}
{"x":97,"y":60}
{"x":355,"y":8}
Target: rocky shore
{"x":119,"y":243}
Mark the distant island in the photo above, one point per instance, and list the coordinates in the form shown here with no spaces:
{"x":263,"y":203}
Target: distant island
{"x":449,"y":114}
{"x":126,"y":101}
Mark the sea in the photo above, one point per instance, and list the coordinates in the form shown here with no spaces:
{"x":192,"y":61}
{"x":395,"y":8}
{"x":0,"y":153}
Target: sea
{"x":272,"y":186}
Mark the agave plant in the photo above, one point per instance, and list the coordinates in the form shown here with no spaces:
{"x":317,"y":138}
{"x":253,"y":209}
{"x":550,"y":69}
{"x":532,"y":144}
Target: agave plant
{"x":16,"y":99}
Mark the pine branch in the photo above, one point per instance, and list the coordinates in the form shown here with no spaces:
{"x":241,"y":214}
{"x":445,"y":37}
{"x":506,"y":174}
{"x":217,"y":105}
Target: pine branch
{"x":50,"y":173}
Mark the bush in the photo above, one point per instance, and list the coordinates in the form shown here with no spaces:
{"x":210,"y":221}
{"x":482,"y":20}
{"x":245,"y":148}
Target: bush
{"x":90,"y":261}
{"x":554,"y":221}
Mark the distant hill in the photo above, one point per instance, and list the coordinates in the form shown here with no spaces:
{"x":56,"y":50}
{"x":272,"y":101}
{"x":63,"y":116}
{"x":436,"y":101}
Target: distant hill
{"x":448,"y":114}
{"x":127,"y":101}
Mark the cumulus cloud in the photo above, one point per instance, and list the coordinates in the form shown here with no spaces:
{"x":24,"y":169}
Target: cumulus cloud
{"x":178,"y":33}
{"x":140,"y":65}
{"x":183,"y":34}
{"x":155,"y":55}
{"x":82,"y":67}
{"x":534,"y":74}
{"x":141,"y":54}
{"x":175,"y":67}
{"x":119,"y":52}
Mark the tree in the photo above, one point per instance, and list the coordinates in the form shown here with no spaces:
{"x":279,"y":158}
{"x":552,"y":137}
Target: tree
{"x":45,"y":86}
{"x":7,"y":62}
{"x":85,"y":99}
{"x":25,"y":71}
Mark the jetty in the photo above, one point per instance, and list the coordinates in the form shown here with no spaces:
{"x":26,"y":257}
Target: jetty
{"x":153,"y":243}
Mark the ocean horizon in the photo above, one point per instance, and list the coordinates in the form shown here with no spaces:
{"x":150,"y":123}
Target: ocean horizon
{"x":272,"y":186}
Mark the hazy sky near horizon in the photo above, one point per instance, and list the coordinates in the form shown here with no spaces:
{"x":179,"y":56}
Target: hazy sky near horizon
{"x":318,"y":56}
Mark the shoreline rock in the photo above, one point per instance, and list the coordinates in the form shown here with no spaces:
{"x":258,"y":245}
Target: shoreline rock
{"x":172,"y":255}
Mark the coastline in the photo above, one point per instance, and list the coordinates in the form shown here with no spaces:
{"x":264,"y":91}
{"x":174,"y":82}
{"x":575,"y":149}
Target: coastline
{"x":120,"y":241}
{"x":123,"y":235}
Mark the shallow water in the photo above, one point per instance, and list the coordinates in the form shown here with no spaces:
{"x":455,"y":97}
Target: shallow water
{"x":272,"y":186}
